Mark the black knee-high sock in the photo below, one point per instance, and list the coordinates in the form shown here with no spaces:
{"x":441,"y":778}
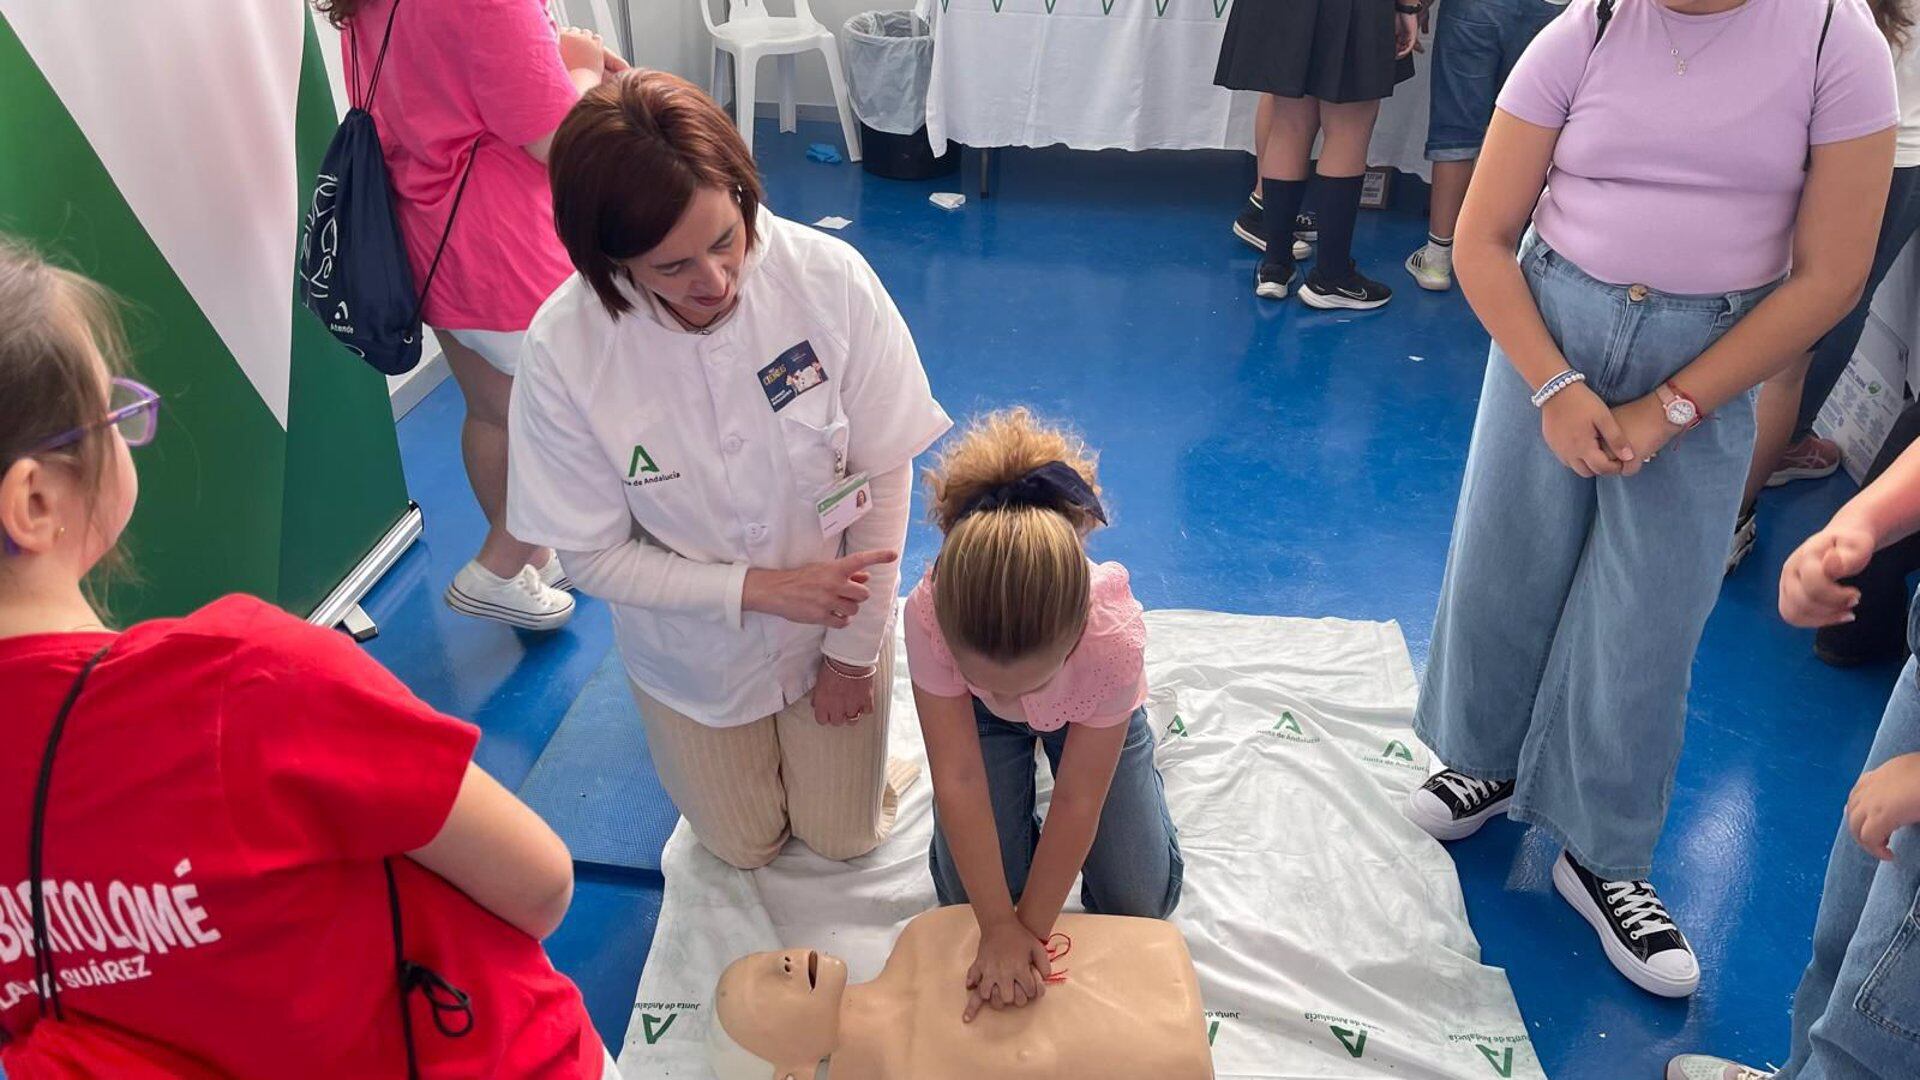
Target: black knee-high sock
{"x":1339,"y":205}
{"x":1283,"y":199}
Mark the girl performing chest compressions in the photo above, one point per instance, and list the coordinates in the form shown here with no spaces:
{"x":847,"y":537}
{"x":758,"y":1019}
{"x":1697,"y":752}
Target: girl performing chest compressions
{"x":716,"y":420}
{"x":1015,"y":639}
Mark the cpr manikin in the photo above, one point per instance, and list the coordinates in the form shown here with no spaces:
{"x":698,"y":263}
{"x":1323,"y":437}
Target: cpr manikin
{"x":1128,"y":1008}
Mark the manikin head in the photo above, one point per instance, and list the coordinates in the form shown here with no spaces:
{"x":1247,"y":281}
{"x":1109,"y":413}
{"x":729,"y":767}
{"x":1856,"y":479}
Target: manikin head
{"x":776,"y":1016}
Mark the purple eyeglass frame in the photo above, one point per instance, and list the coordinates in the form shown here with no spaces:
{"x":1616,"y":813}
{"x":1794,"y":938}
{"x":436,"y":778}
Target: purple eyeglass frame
{"x":147,"y":400}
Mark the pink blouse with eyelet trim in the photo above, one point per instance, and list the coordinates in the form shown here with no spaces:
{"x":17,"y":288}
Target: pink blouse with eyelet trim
{"x":1103,"y":681}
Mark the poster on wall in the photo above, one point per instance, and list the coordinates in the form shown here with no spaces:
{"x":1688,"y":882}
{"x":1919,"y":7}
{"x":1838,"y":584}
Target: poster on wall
{"x":167,"y":153}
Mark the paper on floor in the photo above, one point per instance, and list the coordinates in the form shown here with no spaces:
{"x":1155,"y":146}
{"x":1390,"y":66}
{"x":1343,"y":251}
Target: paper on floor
{"x":1329,"y":932}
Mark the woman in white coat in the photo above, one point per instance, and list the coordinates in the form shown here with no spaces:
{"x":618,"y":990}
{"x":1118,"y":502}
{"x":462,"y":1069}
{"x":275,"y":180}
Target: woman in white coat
{"x":715,"y":423}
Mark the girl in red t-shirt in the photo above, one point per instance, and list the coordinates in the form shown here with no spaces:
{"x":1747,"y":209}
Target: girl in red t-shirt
{"x":242,"y":825}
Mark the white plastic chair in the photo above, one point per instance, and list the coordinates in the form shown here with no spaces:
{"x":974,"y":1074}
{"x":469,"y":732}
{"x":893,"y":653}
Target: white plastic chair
{"x":749,"y":35}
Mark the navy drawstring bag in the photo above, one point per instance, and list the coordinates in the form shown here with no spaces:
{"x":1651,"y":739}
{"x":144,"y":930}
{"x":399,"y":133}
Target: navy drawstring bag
{"x":354,"y":273}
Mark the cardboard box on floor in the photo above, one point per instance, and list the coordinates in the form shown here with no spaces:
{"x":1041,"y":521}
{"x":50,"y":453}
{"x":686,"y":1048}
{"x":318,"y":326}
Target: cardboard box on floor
{"x":1867,"y":400}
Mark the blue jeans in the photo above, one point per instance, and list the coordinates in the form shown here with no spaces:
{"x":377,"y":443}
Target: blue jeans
{"x":1571,"y":607}
{"x":1475,"y":45}
{"x":1134,"y":867}
{"x":1832,"y":353}
{"x":1857,"y":1013}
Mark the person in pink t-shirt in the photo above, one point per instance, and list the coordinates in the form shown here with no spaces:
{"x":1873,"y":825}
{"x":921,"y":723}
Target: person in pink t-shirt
{"x":1015,"y":638}
{"x":473,"y":90}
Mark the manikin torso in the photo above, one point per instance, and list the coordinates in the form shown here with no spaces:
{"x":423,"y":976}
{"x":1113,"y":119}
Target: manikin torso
{"x":1128,"y":1009}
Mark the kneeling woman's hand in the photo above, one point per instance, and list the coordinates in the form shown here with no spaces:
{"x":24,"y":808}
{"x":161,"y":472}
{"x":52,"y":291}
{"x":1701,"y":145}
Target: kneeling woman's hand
{"x":1009,"y":972}
{"x":839,"y":698}
{"x":821,"y":594}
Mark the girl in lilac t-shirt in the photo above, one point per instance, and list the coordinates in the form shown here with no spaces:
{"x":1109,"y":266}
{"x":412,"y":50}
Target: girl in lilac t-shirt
{"x":1015,"y":639}
{"x":1665,"y":167}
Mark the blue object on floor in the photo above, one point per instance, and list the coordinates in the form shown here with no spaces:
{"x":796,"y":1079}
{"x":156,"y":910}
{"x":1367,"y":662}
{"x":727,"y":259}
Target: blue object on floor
{"x":824,"y":153}
{"x":595,"y":782}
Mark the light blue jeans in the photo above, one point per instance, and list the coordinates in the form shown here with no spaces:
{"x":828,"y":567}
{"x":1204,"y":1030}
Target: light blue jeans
{"x":1857,"y":1015}
{"x":1134,"y":867}
{"x":1572,"y":607}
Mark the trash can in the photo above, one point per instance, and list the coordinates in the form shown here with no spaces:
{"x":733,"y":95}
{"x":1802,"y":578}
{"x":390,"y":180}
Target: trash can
{"x":889,"y":61}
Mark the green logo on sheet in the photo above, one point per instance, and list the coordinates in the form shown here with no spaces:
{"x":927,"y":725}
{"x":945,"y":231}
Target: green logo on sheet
{"x":1213,"y":1023}
{"x":1178,"y":727}
{"x":642,"y":462}
{"x":1397,"y":754}
{"x":1288,"y":728}
{"x":1503,"y":1064}
{"x":653,"y":1028}
{"x":1354,"y":1041}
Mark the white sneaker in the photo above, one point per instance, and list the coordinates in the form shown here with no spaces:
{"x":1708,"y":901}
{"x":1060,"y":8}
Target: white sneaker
{"x":521,"y":600}
{"x":1703,"y":1067}
{"x":1430,"y":278}
{"x":554,"y":576}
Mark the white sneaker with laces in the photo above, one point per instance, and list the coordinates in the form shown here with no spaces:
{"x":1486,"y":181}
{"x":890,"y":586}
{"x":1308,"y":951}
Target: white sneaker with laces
{"x":521,"y":600}
{"x":1430,"y":276}
{"x":1704,"y":1067}
{"x":554,"y":576}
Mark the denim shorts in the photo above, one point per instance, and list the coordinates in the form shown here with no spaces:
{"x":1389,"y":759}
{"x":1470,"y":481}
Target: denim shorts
{"x":1475,"y":45}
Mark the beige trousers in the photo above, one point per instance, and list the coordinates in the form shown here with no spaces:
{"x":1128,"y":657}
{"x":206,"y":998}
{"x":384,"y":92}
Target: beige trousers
{"x":745,"y":790}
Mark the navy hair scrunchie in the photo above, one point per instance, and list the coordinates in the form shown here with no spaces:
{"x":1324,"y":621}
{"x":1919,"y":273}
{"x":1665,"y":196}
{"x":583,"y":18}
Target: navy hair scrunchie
{"x":1053,"y":486}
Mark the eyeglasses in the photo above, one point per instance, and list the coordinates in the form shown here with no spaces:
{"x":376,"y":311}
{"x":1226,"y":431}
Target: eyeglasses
{"x":132,"y":407}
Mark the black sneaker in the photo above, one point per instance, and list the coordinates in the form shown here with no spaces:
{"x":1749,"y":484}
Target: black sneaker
{"x":1453,"y":806}
{"x":1745,"y":531}
{"x":1635,"y":930}
{"x":1251,"y":226}
{"x":1354,"y":292}
{"x":1306,"y":227}
{"x":1274,"y":279}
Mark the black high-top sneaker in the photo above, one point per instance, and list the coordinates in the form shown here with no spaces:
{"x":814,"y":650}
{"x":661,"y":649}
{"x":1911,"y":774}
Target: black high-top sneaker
{"x":1453,"y":806}
{"x":1634,"y":927}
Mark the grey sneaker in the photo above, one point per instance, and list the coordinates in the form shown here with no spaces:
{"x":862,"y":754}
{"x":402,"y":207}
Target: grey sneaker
{"x":1703,"y":1067}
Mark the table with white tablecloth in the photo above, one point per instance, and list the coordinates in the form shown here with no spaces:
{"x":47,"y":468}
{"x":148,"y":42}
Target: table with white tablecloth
{"x":1107,"y":74}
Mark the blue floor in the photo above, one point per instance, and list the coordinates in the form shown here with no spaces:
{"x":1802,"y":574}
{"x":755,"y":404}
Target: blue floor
{"x":1263,"y":458}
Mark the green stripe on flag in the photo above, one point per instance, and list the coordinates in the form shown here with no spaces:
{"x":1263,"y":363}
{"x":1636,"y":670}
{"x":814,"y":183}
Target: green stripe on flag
{"x":210,"y":485}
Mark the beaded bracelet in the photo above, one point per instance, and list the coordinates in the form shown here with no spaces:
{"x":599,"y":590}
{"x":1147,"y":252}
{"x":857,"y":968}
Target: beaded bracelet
{"x":1555,"y":385}
{"x":846,"y":671}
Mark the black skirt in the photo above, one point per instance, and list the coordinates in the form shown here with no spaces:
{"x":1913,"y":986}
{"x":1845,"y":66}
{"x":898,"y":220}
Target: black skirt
{"x":1334,"y":50}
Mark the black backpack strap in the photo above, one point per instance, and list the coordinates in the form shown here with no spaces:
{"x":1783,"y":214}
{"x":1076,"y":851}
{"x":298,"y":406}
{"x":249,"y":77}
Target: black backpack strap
{"x":445,"y":999}
{"x":1604,"y":15}
{"x":373,"y":82}
{"x":46,"y":974}
{"x":400,"y":971}
{"x":458,"y":194}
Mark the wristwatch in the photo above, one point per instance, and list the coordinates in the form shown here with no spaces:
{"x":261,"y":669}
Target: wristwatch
{"x":1682,"y":411}
{"x":1410,"y":9}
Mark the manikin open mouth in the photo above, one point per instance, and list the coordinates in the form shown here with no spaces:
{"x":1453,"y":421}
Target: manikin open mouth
{"x":813,"y":970}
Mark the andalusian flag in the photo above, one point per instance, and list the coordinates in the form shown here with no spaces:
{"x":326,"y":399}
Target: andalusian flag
{"x":167,"y":148}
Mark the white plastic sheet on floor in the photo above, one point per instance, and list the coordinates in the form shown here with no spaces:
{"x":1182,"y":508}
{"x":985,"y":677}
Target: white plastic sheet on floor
{"x":1328,"y":931}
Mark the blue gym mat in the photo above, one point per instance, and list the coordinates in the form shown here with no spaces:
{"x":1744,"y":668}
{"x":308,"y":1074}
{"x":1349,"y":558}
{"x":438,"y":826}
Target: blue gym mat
{"x":595,"y":782}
